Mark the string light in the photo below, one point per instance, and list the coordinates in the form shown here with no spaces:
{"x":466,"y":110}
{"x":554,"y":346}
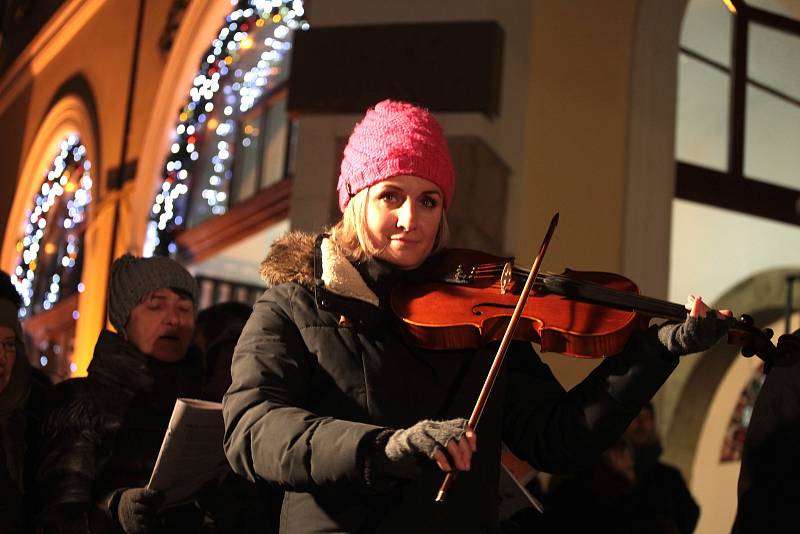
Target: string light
{"x":49,"y":248}
{"x":246,"y":59}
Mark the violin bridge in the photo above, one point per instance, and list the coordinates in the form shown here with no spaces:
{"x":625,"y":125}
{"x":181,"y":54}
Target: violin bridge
{"x":460,"y":276}
{"x":505,"y":278}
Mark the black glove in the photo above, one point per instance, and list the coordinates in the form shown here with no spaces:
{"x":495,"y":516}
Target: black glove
{"x":695,"y":334}
{"x":137,"y":509}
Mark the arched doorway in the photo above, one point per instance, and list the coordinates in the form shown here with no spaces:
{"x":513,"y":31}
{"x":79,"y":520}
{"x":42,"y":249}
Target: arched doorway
{"x":49,"y":234}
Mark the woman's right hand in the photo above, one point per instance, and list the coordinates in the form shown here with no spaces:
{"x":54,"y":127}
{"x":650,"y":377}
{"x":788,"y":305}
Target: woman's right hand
{"x":460,"y":450}
{"x":450,"y":443}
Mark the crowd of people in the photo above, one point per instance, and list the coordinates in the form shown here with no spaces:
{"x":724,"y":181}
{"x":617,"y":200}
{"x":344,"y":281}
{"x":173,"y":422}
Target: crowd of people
{"x":335,"y":419}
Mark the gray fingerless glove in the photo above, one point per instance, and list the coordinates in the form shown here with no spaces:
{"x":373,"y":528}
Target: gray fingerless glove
{"x":695,"y":334}
{"x":137,"y":509}
{"x":423,"y":438}
{"x":394,"y":455}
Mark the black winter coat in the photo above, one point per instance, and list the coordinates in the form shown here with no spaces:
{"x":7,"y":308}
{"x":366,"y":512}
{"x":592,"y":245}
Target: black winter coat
{"x":321,"y":367}
{"x":768,"y":480}
{"x":20,"y":413}
{"x":103,"y":433}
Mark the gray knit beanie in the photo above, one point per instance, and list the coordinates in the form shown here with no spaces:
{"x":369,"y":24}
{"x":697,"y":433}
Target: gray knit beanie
{"x":132,"y":278}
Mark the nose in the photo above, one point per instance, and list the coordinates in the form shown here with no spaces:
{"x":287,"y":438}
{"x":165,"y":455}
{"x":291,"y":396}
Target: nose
{"x":406,"y":216}
{"x":172,"y":318}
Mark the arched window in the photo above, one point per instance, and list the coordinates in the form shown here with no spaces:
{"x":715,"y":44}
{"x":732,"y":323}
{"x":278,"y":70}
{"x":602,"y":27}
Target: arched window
{"x":733,"y":444}
{"x":233,"y":136}
{"x":50,"y":260}
{"x":49,"y":265}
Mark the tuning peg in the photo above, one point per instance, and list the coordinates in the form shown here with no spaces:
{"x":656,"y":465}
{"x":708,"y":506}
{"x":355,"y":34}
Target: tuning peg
{"x":747,"y":319}
{"x":768,"y":332}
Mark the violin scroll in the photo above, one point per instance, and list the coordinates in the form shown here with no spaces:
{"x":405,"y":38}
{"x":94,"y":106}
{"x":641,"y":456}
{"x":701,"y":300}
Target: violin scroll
{"x":756,"y":342}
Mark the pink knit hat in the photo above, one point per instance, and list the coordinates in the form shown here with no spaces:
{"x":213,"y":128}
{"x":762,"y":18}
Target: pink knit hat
{"x":395,"y":138}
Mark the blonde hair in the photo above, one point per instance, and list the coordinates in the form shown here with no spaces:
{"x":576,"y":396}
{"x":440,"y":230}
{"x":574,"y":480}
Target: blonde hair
{"x":350,"y":236}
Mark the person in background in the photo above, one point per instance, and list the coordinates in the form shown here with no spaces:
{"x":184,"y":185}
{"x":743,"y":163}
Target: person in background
{"x":20,"y":412}
{"x":768,"y":480}
{"x":236,"y":505}
{"x":664,"y":502}
{"x":217,"y":330}
{"x":103,"y":433}
{"x":605,"y":491}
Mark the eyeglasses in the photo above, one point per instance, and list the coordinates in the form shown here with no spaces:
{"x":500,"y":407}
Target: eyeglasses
{"x":9,"y":345}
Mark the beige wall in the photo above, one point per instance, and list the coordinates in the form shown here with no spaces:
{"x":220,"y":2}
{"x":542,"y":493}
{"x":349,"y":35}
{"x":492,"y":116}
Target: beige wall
{"x":575,"y":141}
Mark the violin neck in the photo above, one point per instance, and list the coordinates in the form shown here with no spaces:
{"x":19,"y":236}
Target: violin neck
{"x":598,"y":294}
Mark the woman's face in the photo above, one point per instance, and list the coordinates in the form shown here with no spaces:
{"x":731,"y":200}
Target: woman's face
{"x":8,"y":353}
{"x":403,"y":217}
{"x":161,"y":325}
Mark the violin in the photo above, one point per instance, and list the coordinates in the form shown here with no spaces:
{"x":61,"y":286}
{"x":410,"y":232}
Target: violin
{"x":463,"y":298}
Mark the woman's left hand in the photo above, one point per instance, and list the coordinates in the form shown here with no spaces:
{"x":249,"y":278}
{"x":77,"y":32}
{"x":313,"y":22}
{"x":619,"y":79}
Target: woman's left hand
{"x":698,"y":308}
{"x":700,"y":331}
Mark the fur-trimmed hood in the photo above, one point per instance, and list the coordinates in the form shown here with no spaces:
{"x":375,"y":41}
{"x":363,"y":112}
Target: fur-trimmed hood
{"x":290,"y":259}
{"x":294,"y":258}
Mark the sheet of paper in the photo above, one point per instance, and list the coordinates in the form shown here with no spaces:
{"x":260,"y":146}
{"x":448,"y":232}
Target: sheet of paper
{"x":191,"y":454}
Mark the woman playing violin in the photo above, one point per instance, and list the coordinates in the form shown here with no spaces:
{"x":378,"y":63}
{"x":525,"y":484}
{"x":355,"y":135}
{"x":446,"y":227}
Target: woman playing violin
{"x":334,"y":402}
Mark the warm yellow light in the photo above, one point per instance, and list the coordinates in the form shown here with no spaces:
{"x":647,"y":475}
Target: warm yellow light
{"x":183,"y":116}
{"x":247,"y":43}
{"x":49,"y":248}
{"x":19,"y":246}
{"x":276,"y":18}
{"x":730,"y":6}
{"x":32,"y":265}
{"x":70,"y":187}
{"x":248,"y":129}
{"x":260,"y":23}
{"x":212,"y":124}
{"x":228,"y":60}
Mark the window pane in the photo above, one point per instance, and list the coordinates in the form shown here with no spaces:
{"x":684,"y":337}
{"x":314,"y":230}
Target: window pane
{"x":774,"y":60}
{"x":702,"y":125}
{"x":707,"y":30}
{"x":787,"y":8}
{"x":275,"y":135}
{"x":772,"y":139}
{"x":248,"y":148}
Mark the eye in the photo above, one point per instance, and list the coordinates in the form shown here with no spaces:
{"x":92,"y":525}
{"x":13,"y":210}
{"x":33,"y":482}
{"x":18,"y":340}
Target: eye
{"x":389,"y":197}
{"x":429,"y":201}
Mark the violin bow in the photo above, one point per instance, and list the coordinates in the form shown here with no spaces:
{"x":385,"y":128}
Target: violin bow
{"x":488,"y":384}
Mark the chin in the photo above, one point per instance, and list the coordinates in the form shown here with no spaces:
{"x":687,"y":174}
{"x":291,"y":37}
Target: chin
{"x":406,"y":260}
{"x":169,"y":356}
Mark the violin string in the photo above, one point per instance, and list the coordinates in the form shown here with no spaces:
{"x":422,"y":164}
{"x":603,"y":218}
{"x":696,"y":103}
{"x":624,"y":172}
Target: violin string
{"x":597,"y":291}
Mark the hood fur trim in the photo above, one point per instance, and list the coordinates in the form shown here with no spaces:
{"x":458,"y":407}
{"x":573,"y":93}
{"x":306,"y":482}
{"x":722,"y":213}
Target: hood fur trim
{"x":341,"y":277}
{"x":291,"y":259}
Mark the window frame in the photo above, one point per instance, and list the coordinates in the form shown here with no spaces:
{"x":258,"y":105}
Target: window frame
{"x":731,"y":189}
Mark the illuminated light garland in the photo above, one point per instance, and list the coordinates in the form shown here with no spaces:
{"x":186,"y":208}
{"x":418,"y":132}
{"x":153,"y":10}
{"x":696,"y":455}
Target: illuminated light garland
{"x":62,"y":200}
{"x":226,"y":86}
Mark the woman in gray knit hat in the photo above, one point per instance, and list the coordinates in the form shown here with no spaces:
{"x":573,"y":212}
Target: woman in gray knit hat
{"x":105,"y":430}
